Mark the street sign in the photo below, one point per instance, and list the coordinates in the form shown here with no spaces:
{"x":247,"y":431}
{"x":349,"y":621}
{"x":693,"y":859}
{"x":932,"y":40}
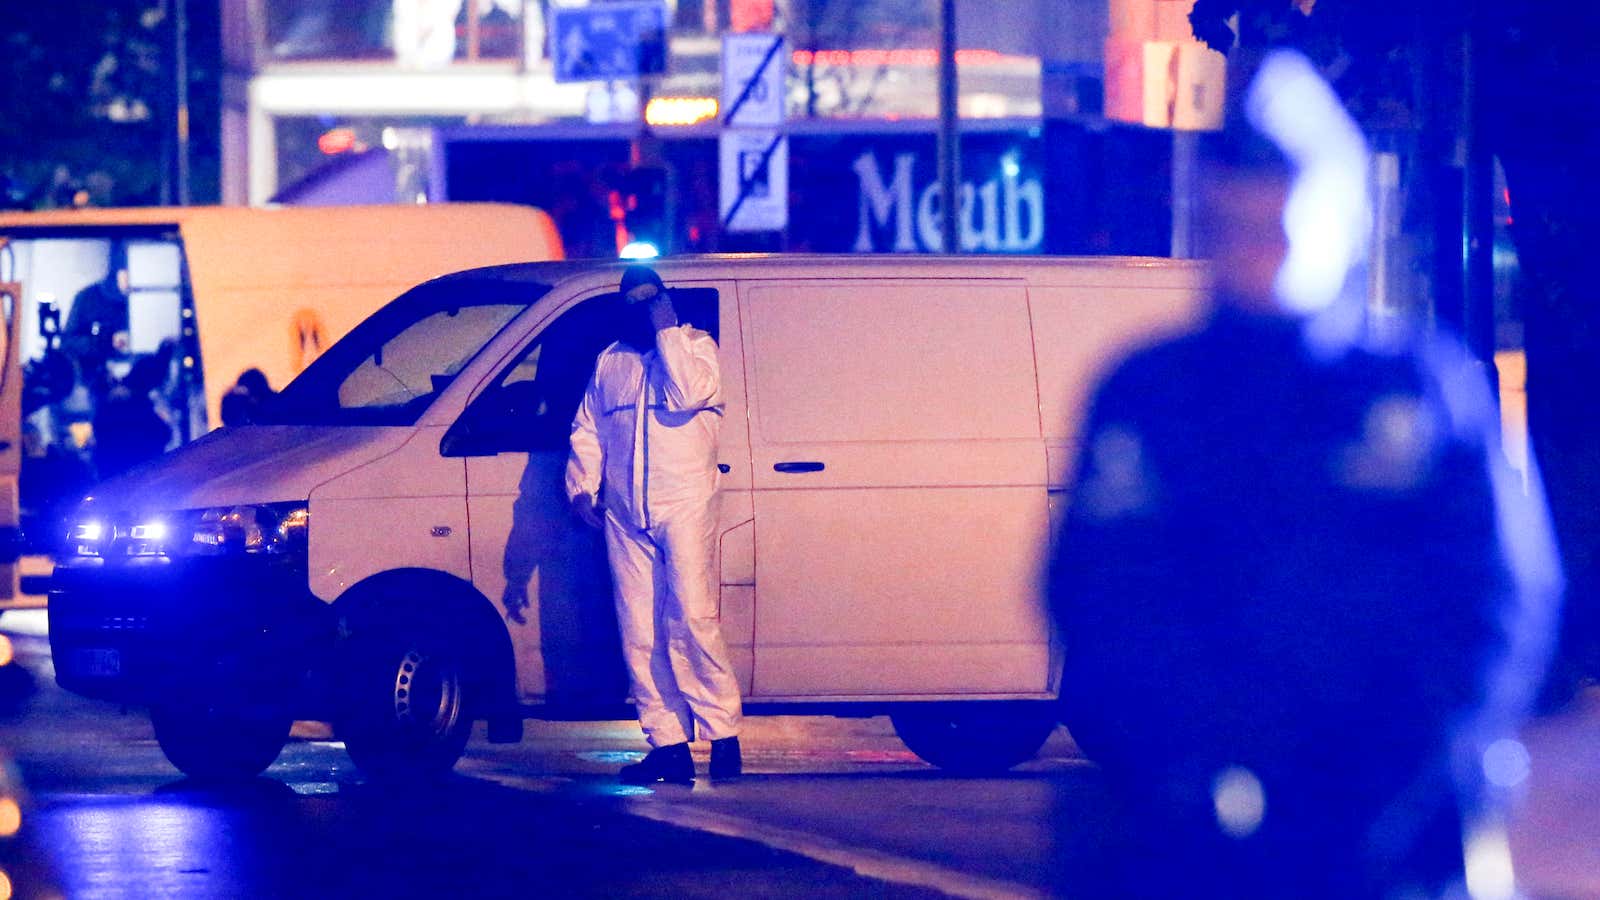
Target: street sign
{"x":753,"y":67}
{"x":754,"y":180}
{"x":609,"y":41}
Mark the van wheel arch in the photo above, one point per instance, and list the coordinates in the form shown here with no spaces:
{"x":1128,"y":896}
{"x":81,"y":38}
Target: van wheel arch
{"x":975,"y":737}
{"x":438,"y":599}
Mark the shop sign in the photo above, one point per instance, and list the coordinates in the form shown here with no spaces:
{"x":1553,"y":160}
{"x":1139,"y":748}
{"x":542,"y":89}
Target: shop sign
{"x":899,"y":202}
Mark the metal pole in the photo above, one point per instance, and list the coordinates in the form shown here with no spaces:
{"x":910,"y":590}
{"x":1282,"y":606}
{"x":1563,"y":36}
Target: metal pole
{"x":649,"y":151}
{"x":1384,"y":310}
{"x":180,"y":53}
{"x":1184,"y":155}
{"x":949,"y":136}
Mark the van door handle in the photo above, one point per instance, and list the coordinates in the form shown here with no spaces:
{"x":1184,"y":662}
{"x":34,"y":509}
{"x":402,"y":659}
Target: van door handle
{"x":798,"y":467}
{"x":724,"y":468}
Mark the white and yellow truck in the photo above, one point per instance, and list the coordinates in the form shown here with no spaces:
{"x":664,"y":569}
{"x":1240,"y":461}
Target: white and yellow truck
{"x":209,"y":292}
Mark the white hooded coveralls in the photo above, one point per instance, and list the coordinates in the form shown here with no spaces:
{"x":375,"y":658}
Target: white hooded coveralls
{"x":645,"y":441}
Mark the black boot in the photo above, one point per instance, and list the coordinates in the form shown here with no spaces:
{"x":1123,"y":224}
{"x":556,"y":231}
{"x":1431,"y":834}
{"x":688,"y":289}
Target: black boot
{"x":726,"y":762}
{"x":671,"y":764}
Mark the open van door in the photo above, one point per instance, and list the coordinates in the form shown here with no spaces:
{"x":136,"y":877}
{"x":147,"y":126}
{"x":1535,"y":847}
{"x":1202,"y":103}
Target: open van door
{"x":10,"y":442}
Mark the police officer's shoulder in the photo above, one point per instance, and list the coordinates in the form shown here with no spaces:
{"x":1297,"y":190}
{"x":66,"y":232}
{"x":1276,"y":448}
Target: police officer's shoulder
{"x":1151,"y":369}
{"x":1439,"y":368}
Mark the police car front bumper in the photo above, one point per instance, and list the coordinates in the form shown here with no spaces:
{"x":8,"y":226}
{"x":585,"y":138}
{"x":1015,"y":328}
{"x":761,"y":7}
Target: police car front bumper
{"x":224,"y":630}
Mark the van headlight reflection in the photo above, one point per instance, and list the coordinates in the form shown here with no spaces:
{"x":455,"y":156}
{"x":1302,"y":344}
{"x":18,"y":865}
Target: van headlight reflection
{"x":263,"y":528}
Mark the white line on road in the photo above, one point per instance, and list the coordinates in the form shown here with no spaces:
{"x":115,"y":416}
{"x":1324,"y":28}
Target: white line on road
{"x":868,"y":863}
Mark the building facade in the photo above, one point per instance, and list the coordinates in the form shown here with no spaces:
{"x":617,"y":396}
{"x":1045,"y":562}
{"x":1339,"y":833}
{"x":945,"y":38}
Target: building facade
{"x":428,"y":100}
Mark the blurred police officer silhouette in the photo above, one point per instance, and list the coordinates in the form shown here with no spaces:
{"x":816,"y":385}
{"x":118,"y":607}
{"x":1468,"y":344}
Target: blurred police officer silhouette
{"x":1303,"y":596}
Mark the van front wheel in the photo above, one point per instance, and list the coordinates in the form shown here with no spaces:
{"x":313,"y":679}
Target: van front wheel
{"x":975,"y":738}
{"x":212,"y":744}
{"x":406,"y":702}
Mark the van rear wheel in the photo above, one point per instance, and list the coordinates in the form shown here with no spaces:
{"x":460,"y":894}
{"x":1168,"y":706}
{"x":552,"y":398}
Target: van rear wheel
{"x":406,"y":703}
{"x":975,"y":738}
{"x":212,"y":744}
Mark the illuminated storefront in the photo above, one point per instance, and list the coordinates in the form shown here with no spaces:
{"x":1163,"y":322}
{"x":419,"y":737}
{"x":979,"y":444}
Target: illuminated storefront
{"x":332,"y":101}
{"x":297,"y":68}
{"x":1028,"y":187}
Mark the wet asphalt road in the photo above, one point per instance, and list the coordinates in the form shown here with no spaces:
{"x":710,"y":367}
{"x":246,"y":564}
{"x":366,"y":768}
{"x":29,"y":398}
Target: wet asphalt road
{"x":830,"y":808}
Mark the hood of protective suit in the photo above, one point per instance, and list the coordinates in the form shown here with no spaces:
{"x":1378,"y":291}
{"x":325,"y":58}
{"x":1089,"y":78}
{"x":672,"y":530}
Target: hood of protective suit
{"x":251,"y":464}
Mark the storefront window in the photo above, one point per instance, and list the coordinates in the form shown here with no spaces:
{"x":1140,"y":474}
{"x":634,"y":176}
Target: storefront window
{"x":413,"y":33}
{"x":499,"y":28}
{"x":328,"y":29}
{"x":326,"y":160}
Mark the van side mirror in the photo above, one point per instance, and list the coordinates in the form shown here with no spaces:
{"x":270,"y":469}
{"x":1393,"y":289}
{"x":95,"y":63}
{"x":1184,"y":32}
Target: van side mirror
{"x":495,"y":423}
{"x":485,"y":436}
{"x":463,"y":440}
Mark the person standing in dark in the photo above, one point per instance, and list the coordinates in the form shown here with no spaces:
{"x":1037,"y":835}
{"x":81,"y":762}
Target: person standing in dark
{"x":128,"y":429}
{"x":97,"y":324}
{"x":242,"y":404}
{"x":1304,"y":599}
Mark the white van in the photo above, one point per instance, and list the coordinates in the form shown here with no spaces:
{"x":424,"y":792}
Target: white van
{"x":895,"y":447}
{"x":198,"y":294}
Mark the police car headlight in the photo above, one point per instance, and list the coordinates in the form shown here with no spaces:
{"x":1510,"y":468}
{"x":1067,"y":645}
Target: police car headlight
{"x":263,"y":528}
{"x":266,"y":528}
{"x":94,"y":535}
{"x":86,"y":535}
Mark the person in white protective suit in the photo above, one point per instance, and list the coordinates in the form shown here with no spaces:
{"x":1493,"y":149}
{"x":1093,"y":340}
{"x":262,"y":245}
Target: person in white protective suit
{"x":644,"y":469}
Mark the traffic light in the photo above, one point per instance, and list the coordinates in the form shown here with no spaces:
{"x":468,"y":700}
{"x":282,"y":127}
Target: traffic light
{"x":644,"y":205}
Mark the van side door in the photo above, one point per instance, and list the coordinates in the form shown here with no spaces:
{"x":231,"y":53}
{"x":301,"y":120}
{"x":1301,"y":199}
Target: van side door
{"x":530,"y":556}
{"x":899,"y":489}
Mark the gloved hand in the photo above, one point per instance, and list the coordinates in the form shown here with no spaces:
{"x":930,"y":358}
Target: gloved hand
{"x":662,"y":313}
{"x":516,"y":601}
{"x":589,"y":512}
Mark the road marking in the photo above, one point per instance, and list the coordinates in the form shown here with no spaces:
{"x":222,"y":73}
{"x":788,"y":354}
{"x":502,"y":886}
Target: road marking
{"x":864,"y":862}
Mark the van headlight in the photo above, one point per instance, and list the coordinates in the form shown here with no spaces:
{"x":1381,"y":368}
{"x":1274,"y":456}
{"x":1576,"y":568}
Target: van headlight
{"x":261,"y":528}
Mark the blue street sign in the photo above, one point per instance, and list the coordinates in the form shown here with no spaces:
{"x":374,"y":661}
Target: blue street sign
{"x":608,"y":41}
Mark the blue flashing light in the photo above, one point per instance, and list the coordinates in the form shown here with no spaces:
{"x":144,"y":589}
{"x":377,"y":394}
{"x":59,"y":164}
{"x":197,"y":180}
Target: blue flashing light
{"x":640,"y":250}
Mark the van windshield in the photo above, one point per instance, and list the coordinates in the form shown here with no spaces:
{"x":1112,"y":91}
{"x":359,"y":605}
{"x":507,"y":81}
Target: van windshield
{"x":393,"y":365}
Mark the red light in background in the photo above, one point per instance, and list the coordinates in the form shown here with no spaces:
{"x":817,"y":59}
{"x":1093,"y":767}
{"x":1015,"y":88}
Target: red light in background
{"x":335,"y":141}
{"x":751,"y":15}
{"x":619,"y":220}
